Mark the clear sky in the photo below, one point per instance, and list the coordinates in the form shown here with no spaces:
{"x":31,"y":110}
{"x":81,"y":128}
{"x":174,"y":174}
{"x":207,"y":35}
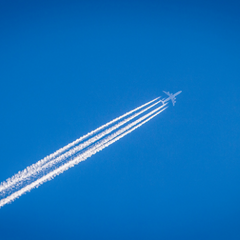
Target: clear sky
{"x":67,"y":67}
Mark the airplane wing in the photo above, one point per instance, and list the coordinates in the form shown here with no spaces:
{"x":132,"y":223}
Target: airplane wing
{"x":168,"y":93}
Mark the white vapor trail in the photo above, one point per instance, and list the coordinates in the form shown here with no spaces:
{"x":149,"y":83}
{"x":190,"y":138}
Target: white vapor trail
{"x":35,"y":167}
{"x":75,"y":155}
{"x":31,"y":171}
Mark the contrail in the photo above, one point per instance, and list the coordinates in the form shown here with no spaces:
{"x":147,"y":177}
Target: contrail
{"x":81,"y":157}
{"x":35,"y":173}
{"x":34,"y":167}
{"x":75,"y":154}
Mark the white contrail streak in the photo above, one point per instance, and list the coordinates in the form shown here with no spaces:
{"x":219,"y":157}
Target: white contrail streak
{"x":36,"y":168}
{"x":23,"y":174}
{"x":115,"y":134}
{"x":83,"y":156}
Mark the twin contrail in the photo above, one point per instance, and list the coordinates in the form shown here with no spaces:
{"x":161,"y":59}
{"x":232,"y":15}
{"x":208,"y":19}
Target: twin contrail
{"x":77,"y":151}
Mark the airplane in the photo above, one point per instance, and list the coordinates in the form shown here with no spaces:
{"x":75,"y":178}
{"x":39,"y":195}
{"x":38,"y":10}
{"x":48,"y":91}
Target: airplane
{"x":171,"y":97}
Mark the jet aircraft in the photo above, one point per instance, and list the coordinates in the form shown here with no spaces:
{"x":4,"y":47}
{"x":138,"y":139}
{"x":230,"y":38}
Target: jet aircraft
{"x":171,"y":97}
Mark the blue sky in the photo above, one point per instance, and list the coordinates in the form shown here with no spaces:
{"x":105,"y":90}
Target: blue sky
{"x":68,"y":67}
